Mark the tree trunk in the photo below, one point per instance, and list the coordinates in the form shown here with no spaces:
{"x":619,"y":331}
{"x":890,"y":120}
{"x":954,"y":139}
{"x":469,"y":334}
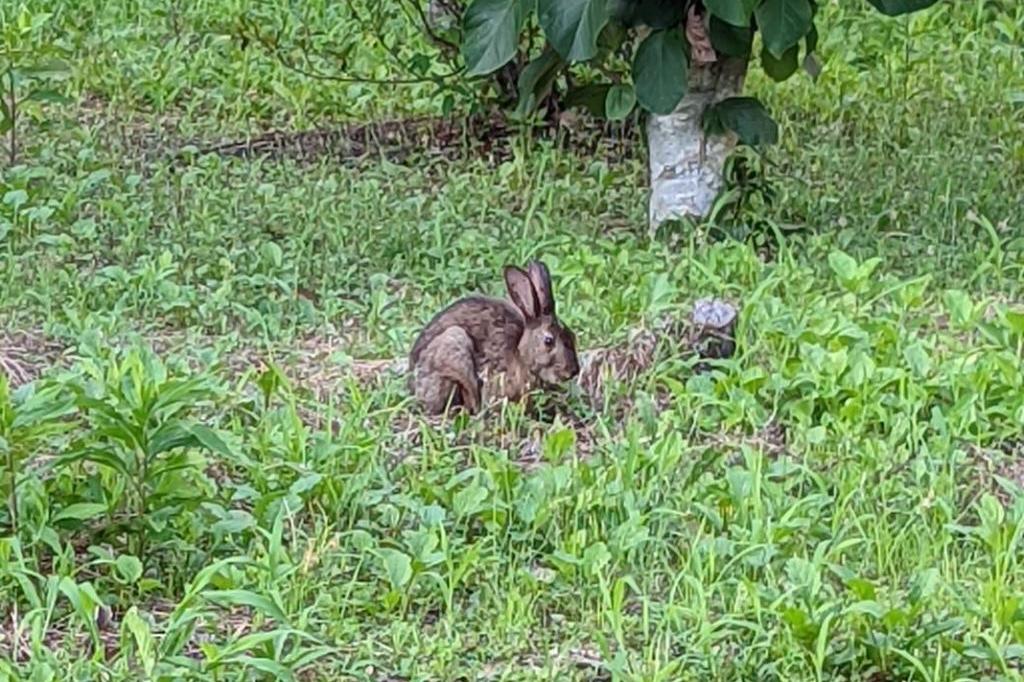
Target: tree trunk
{"x":686,"y":167}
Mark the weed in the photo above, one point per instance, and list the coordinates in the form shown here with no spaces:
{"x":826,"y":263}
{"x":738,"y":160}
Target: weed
{"x":218,"y":476}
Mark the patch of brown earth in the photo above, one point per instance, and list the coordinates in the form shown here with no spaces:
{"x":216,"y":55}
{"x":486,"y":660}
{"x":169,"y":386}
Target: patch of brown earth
{"x":25,"y":355}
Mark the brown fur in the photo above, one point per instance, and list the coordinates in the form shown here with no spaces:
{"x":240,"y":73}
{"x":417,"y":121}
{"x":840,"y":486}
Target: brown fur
{"x":517,"y":346}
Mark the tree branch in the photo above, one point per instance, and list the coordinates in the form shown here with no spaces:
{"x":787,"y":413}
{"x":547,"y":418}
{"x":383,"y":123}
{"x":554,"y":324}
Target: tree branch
{"x":251,"y":32}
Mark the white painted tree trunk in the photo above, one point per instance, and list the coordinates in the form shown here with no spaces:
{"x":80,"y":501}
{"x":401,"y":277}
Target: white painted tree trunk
{"x":685,"y":165}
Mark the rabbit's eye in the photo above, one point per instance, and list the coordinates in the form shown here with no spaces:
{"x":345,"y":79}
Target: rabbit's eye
{"x":549,"y":340}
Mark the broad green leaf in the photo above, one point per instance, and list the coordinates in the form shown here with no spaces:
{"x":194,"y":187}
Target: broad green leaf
{"x":272,"y":253}
{"x":729,"y":40}
{"x":783,"y":23}
{"x":80,"y":511}
{"x":816,"y":435}
{"x":210,"y":439}
{"x":49,"y":96}
{"x":235,"y":521}
{"x":305,"y":483}
{"x":168,"y":437}
{"x":129,"y":568}
{"x":656,"y":14}
{"x":558,"y":443}
{"x":917,"y":357}
{"x":398,"y":567}
{"x":15,"y":198}
{"x":896,"y":7}
{"x":80,"y":600}
{"x":867,"y":268}
{"x":735,"y":12}
{"x":868,"y":608}
{"x":29,"y":21}
{"x":862,"y":588}
{"x":469,"y":500}
{"x":619,"y":101}
{"x":591,"y":98}
{"x":595,"y":557}
{"x":748,"y":118}
{"x":959,"y":307}
{"x":925,"y":585}
{"x":573,"y":26}
{"x":491,"y":33}
{"x":1015,"y":320}
{"x":622,"y":11}
{"x":536,"y":79}
{"x":259,"y":602}
{"x":780,"y":69}
{"x":660,"y":71}
{"x":611,"y":38}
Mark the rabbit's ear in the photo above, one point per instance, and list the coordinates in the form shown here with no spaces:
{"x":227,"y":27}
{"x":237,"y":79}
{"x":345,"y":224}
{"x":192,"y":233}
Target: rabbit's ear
{"x":520,"y":290}
{"x":541,"y":280}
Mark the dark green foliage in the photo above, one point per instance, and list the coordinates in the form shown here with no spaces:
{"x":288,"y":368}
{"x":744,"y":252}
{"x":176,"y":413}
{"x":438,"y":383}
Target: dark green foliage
{"x":746,"y":117}
{"x":659,"y":71}
{"x":574,"y":29}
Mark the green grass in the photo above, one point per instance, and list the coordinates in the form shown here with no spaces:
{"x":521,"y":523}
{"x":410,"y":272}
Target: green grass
{"x":841,"y":500}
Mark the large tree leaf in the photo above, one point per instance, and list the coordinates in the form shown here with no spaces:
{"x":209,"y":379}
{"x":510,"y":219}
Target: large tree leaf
{"x":536,"y":79}
{"x":779,"y":69}
{"x":896,"y":7}
{"x":491,"y":33}
{"x":735,"y":12}
{"x":660,"y":71}
{"x":729,"y":40}
{"x":573,"y":26}
{"x":591,"y":98}
{"x":748,"y":118}
{"x":611,"y":38}
{"x":623,"y":11}
{"x":656,"y":14}
{"x":783,"y":23}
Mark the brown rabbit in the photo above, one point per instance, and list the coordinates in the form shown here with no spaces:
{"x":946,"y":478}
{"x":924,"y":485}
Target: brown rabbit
{"x":516,"y":346}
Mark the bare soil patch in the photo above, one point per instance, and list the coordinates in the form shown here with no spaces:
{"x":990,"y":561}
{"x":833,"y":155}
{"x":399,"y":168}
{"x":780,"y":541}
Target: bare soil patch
{"x":489,"y":136}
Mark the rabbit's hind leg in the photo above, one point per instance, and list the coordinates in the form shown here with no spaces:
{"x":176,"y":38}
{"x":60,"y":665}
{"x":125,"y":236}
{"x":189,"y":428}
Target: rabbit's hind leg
{"x":446,"y":375}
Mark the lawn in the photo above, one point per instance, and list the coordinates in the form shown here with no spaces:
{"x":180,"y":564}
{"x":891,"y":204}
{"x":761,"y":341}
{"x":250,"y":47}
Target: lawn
{"x":211,"y":468}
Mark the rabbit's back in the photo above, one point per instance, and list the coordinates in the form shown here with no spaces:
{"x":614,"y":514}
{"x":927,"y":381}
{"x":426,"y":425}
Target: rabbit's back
{"x":494,"y":325}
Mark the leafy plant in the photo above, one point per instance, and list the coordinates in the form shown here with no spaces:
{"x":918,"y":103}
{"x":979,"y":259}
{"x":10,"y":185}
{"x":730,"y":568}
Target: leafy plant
{"x":141,"y":434}
{"x":30,"y":420}
{"x":645,"y":49}
{"x":29,"y":64}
